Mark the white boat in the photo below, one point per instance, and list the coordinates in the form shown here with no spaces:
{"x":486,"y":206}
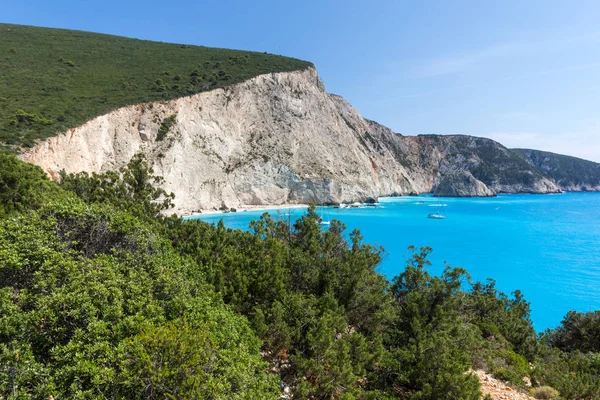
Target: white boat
{"x":323,"y":221}
{"x":436,"y":215}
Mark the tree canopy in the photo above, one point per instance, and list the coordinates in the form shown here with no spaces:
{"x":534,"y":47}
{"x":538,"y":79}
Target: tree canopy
{"x":103,"y":296}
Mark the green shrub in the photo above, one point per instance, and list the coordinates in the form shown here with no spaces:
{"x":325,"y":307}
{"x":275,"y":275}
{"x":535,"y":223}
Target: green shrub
{"x":22,"y":117}
{"x":165,"y":126}
{"x":577,"y":331}
{"x":544,"y":393}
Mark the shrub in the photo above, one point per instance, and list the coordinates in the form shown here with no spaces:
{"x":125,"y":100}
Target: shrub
{"x":577,"y":331}
{"x":22,"y":117}
{"x":159,"y":85}
{"x":165,"y":126}
{"x":544,"y":393}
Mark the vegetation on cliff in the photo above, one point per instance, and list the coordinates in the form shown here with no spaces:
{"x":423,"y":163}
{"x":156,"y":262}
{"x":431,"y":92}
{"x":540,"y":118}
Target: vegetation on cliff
{"x":55,"y":79}
{"x":101,"y":297}
{"x":570,"y":173}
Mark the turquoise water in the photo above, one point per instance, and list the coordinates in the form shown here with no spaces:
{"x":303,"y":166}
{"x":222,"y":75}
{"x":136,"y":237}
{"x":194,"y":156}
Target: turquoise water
{"x":548,"y":246}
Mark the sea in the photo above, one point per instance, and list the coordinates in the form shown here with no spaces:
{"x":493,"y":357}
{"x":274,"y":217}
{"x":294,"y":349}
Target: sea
{"x":546,"y":246}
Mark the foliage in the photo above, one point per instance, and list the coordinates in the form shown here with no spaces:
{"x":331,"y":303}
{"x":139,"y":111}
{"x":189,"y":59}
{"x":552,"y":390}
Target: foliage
{"x":565,"y":170}
{"x":24,"y":118}
{"x":544,"y":393}
{"x":84,"y":324}
{"x":314,"y":299}
{"x":428,"y":342}
{"x":23,"y":186}
{"x":64,"y":78}
{"x":133,"y":188}
{"x":100,"y":297}
{"x":165,"y":126}
{"x":577,"y":331}
{"x":574,"y":375}
{"x":510,"y":317}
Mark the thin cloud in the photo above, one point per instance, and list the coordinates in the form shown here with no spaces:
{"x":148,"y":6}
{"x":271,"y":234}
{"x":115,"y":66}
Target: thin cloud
{"x":578,"y":67}
{"x":461,"y":62}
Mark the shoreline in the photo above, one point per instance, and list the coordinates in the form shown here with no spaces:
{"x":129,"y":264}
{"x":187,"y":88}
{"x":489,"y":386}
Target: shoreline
{"x":245,"y":208}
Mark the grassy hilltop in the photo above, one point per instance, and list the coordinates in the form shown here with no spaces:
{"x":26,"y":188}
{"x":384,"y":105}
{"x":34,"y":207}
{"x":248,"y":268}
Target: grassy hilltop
{"x":55,"y":79}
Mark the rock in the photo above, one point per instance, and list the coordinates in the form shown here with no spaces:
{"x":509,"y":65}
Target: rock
{"x":570,"y":173}
{"x":280,"y":139}
{"x":461,"y":184}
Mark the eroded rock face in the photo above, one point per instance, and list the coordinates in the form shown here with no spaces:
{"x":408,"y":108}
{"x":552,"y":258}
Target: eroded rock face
{"x":570,"y":173}
{"x":461,"y":184}
{"x":274,"y":139}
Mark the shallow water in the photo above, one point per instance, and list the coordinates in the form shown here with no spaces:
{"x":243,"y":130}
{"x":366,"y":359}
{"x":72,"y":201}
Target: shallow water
{"x":548,"y":246}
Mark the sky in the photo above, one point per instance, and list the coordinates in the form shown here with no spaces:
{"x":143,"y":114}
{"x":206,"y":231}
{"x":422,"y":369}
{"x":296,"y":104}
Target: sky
{"x":525,"y":73}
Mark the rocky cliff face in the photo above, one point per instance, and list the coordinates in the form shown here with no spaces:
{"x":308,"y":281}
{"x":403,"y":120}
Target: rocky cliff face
{"x":570,"y":173}
{"x":282,"y":139}
{"x":462,"y":184}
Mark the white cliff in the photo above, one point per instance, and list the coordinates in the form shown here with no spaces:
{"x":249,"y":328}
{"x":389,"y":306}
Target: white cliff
{"x":275,"y":139}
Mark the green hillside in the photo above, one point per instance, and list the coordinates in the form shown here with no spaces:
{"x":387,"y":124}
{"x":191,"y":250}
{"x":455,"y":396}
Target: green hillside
{"x":567,"y":171}
{"x":55,"y":79}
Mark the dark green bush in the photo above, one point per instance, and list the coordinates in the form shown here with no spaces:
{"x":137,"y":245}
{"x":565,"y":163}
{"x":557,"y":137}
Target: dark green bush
{"x":165,"y":127}
{"x":577,"y":331}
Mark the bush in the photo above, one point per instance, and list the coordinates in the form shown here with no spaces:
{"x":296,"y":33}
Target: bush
{"x":22,"y":117}
{"x":577,"y":331}
{"x":544,"y":393}
{"x":165,"y":127}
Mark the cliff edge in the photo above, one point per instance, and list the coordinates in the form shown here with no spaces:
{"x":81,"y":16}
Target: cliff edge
{"x":280,"y":138}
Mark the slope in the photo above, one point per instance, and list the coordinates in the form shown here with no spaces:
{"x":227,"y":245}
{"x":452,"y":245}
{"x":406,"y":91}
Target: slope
{"x":55,"y":79}
{"x":570,"y":173}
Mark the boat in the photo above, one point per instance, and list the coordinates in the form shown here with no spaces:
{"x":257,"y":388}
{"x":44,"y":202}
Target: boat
{"x":436,"y":215}
{"x":323,"y":221}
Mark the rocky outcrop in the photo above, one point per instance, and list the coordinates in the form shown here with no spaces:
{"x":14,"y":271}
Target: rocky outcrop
{"x":570,"y":173}
{"x":280,"y":139}
{"x":461,"y":184}
{"x":434,"y":159}
{"x":499,"y":390}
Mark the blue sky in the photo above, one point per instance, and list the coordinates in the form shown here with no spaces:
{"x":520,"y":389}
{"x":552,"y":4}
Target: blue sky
{"x":526,"y":73}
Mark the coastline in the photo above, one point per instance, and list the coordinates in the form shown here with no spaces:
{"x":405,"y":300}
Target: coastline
{"x":429,"y":196}
{"x":245,"y":208}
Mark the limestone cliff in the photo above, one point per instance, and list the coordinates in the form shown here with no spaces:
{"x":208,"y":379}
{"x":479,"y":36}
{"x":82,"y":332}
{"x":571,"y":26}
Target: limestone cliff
{"x":570,"y":173}
{"x":280,"y":139}
{"x":461,"y":184}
